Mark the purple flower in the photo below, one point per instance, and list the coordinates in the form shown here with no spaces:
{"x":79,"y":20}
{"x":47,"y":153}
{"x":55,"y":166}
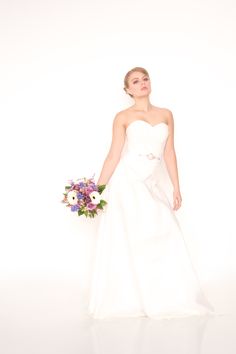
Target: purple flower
{"x":92,"y":187}
{"x":80,"y":196}
{"x":87,"y":199}
{"x":74,"y":207}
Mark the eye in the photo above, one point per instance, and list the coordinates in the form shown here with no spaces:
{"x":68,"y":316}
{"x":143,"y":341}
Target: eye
{"x":146,"y":79}
{"x":135,"y":82}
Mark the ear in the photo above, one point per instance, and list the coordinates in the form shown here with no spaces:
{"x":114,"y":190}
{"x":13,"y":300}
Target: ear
{"x":126,"y":90}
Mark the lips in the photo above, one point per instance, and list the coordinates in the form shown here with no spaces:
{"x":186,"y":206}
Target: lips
{"x":144,"y":88}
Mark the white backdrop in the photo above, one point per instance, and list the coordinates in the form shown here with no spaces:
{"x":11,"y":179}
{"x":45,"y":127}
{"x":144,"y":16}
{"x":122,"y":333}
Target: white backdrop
{"x":62,"y":69}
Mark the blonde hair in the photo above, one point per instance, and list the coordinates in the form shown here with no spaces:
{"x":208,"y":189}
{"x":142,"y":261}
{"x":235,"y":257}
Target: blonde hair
{"x":126,"y":79}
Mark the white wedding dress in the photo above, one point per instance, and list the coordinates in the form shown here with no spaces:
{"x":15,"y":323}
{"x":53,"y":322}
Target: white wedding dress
{"x":141,"y":265}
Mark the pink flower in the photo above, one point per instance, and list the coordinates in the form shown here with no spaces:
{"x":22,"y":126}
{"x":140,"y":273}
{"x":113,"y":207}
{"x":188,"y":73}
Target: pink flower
{"x":91,"y":206}
{"x":89,"y":190}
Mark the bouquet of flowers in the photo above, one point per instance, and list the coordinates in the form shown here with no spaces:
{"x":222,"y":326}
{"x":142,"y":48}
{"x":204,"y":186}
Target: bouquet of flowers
{"x":84,"y":196}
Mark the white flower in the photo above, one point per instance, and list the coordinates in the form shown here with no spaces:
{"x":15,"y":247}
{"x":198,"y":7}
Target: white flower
{"x":72,"y":197}
{"x":95,"y":197}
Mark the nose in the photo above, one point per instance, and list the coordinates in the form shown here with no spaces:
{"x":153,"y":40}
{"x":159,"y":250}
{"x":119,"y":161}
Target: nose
{"x":143,"y":84}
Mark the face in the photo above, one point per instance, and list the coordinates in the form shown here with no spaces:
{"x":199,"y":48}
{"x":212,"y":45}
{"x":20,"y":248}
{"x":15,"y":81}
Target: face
{"x":139,"y":84}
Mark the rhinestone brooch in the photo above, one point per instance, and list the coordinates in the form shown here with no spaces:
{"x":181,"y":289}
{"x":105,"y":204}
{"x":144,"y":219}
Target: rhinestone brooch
{"x":151,"y":156}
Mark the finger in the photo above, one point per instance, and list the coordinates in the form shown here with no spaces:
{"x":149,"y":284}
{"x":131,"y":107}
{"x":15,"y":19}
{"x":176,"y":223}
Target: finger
{"x":179,"y":203}
{"x":175,"y":204}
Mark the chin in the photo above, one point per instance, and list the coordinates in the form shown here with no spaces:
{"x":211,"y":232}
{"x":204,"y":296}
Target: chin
{"x":145,"y":93}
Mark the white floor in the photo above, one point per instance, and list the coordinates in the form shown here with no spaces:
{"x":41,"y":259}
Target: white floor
{"x":34,"y":320}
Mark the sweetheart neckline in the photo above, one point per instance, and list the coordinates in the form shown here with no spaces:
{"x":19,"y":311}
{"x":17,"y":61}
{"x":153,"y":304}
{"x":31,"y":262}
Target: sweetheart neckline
{"x":150,"y":125}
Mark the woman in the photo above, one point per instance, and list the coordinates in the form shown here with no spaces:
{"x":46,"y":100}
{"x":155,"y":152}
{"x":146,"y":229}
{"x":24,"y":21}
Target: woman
{"x":141,"y":265}
{"x":138,"y":86}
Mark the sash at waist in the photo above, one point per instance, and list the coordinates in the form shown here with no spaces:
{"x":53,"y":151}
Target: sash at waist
{"x":149,"y":155}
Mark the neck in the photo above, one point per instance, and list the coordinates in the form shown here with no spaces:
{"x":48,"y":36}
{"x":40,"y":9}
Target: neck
{"x":142,"y":104}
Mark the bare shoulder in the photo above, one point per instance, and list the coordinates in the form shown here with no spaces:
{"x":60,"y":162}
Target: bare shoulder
{"x":163,"y":110}
{"x":166,"y":113}
{"x":120,"y":118}
{"x":169,"y":115}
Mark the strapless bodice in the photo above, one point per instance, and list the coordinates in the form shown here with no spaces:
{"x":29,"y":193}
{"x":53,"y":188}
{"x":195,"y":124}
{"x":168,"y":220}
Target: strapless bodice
{"x":146,"y":139}
{"x":144,"y":149}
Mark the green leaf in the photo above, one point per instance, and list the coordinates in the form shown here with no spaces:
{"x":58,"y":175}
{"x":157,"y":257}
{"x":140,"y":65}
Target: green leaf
{"x":92,"y":213}
{"x":101,"y":188}
{"x":102,"y":202}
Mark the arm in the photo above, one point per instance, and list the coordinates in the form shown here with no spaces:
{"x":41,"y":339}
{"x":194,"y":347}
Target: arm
{"x":171,"y":163}
{"x":113,"y":156}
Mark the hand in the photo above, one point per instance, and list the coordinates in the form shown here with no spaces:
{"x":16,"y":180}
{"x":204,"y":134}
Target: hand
{"x":177,"y":199}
